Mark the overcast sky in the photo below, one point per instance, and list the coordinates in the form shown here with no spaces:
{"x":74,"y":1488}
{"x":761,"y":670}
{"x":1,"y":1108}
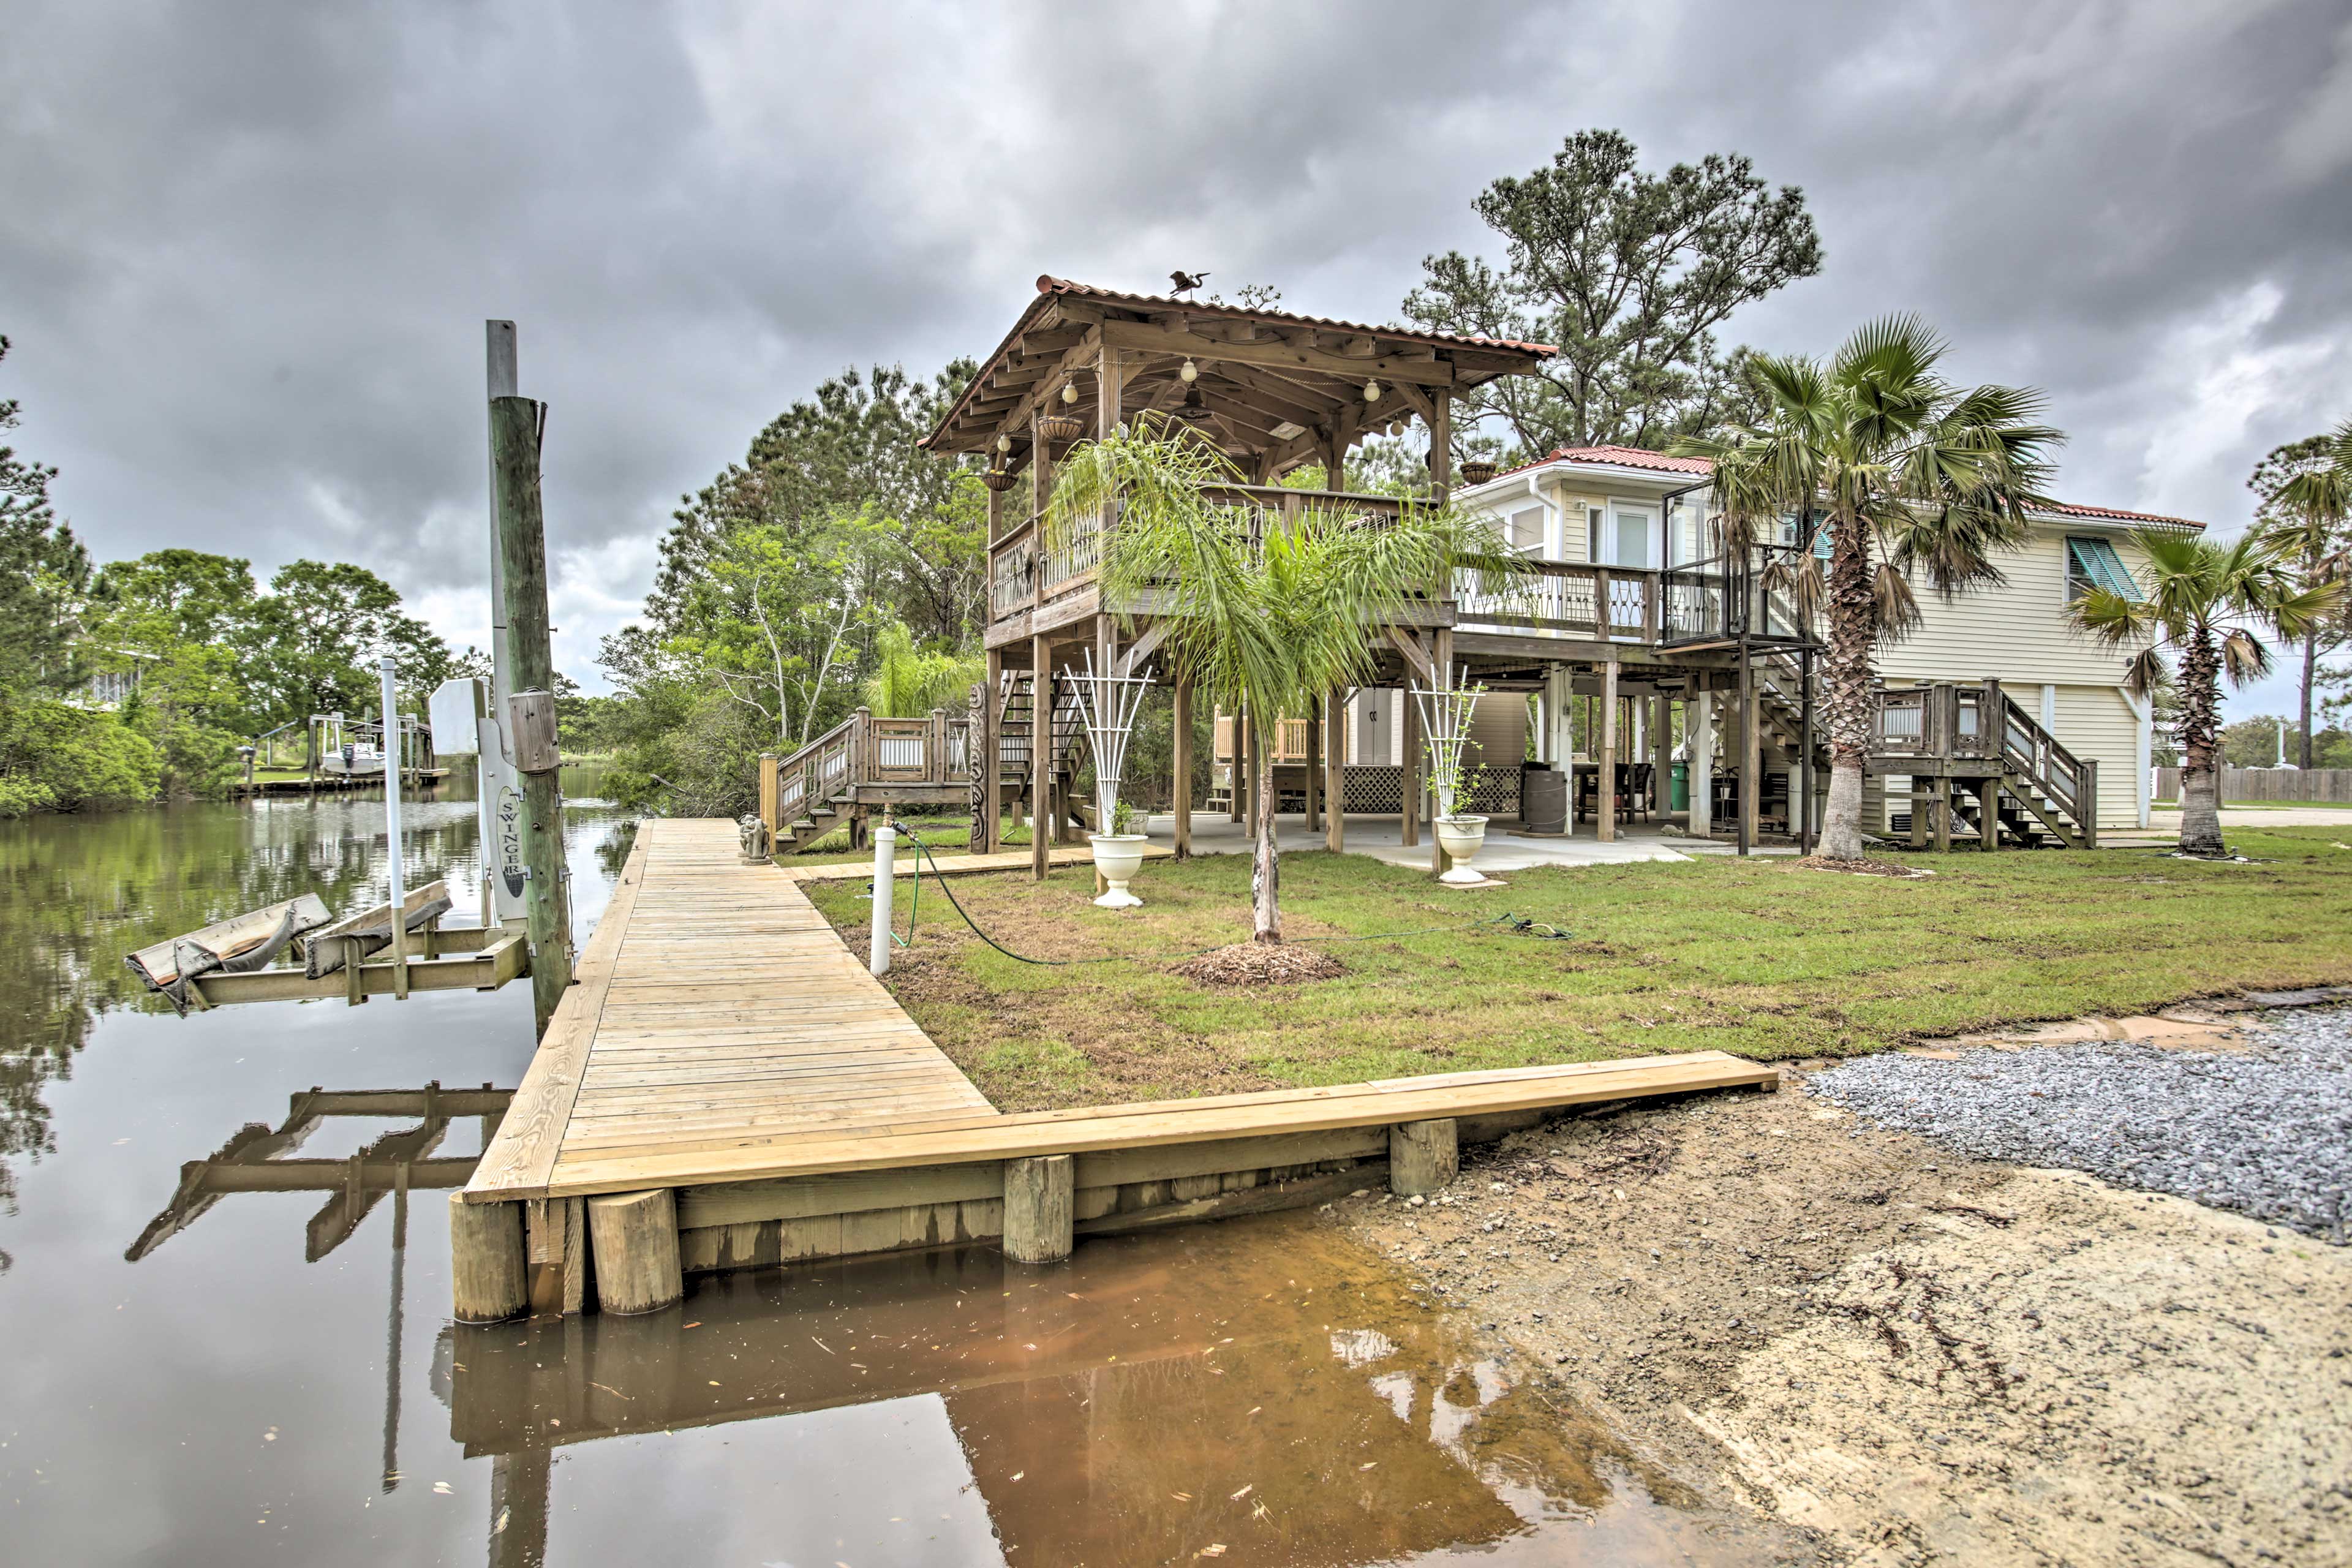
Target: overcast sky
{"x":245,"y":251}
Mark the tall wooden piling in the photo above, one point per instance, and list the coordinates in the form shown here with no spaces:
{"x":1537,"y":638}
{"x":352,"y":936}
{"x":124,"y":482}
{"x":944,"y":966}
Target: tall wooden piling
{"x":514,"y":428}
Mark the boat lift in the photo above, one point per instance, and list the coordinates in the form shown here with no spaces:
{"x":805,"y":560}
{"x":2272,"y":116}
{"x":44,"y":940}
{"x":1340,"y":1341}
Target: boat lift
{"x":366,"y":954}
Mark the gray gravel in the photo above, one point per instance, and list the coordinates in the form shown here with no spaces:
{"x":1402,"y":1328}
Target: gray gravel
{"x":2266,"y":1131}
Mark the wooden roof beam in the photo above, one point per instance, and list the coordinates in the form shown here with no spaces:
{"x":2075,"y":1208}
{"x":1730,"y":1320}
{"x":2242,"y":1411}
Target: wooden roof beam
{"x":1161,"y":339}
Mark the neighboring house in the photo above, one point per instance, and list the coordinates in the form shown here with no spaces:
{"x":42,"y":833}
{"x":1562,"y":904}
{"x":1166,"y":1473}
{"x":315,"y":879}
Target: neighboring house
{"x":1622,"y":506}
{"x":107,"y":689}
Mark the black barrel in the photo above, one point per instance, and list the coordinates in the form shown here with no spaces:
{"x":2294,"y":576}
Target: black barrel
{"x":1543,"y":800}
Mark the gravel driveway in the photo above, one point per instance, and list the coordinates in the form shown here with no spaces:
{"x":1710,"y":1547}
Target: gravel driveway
{"x":2266,"y":1131}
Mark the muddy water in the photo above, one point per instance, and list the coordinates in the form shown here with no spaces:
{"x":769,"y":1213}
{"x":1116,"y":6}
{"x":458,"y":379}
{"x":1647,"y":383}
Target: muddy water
{"x":274,"y":1377}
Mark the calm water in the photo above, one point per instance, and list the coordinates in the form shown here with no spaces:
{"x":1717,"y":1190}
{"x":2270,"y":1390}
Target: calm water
{"x":276,"y":1378}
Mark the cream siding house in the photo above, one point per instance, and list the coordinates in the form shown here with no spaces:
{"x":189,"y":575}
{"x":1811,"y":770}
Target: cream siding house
{"x":1626,"y":506}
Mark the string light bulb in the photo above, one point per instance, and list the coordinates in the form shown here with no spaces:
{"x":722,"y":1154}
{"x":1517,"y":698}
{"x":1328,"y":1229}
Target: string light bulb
{"x":1372,"y":392}
{"x":1190,"y":373}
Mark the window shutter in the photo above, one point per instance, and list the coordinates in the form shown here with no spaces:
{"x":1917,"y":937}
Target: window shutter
{"x":2092,"y":563}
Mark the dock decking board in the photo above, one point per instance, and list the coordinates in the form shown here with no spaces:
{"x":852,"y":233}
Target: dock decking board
{"x":713,"y":998}
{"x":721,"y":1034}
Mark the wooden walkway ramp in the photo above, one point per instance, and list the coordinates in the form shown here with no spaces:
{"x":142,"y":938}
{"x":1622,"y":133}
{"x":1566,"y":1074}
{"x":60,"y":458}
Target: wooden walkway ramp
{"x":726,"y":1087}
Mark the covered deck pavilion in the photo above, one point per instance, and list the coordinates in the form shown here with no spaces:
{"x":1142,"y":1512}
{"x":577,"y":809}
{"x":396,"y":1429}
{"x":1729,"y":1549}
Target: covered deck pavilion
{"x":1653,"y":653}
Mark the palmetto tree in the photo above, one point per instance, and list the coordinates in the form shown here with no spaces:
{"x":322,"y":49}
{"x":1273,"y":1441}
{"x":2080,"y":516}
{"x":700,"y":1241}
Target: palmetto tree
{"x":2307,"y":529}
{"x":1262,"y":620}
{"x":2205,"y":603}
{"x":1911,"y":477}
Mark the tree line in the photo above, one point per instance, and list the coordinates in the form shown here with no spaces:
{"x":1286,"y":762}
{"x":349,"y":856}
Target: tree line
{"x":137,"y":680}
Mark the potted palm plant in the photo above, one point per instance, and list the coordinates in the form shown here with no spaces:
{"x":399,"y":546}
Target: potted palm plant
{"x":1460,"y":834}
{"x":1119,"y":856}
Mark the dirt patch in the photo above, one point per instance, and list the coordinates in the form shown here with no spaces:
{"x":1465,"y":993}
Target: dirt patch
{"x":1260,"y":963}
{"x":1864,"y":867}
{"x":1920,"y":1358}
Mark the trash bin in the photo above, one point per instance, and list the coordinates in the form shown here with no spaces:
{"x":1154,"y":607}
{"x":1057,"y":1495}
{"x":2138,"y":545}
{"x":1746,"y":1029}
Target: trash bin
{"x":1543,"y":799}
{"x":1678,"y":787}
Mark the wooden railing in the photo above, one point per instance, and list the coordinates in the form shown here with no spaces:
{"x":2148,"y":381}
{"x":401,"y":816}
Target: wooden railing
{"x":1955,"y":720}
{"x":866,"y":750}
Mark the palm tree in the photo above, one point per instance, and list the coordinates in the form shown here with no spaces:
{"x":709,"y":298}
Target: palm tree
{"x":2308,"y":529}
{"x":1910,"y":477}
{"x":1262,"y":621}
{"x":2205,"y":601}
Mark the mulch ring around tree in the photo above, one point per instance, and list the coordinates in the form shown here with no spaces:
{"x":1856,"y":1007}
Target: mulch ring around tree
{"x":1866,"y":866}
{"x":1260,"y":963}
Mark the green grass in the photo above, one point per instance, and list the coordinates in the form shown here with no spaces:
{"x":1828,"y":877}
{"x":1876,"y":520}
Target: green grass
{"x":945,"y":834}
{"x":1760,"y":957}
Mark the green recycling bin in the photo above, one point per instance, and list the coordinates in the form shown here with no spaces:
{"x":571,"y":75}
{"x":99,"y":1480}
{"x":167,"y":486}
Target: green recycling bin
{"x":1678,"y":787}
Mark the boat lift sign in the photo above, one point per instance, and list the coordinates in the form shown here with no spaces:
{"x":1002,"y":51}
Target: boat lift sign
{"x":461,"y":711}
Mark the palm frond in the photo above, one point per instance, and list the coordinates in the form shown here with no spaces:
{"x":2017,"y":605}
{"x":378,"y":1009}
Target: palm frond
{"x":1893,"y":608}
{"x":2146,"y":673}
{"x":2112,"y":620}
{"x":2244,"y":657}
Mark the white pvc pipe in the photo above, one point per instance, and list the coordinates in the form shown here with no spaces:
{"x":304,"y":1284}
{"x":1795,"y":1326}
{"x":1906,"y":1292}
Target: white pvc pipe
{"x":886,"y":844}
{"x":389,"y":747}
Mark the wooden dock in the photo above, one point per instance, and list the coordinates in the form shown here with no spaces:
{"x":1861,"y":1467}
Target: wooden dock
{"x":726,"y":1087}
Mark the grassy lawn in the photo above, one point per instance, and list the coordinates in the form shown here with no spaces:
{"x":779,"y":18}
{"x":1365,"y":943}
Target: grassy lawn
{"x":1762,"y":958}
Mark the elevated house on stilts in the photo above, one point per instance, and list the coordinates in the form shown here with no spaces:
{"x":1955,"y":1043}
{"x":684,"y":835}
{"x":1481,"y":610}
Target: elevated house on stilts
{"x":1644,"y":648}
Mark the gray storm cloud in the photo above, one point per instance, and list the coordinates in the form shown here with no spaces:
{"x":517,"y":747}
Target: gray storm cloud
{"x":245,"y":252}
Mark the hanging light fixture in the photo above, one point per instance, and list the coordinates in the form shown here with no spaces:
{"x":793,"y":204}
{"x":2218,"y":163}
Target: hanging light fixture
{"x":1003,"y":442}
{"x":1190,"y":373}
{"x":1372,"y":392}
{"x":1069,"y":392}
{"x":1194,"y":409}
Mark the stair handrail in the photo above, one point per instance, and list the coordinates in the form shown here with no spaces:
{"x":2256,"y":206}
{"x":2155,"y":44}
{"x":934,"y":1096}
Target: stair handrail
{"x":2040,"y":756}
{"x":792,"y":774}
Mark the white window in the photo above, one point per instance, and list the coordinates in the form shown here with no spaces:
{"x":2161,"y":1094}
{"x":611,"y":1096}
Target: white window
{"x":1527,"y":530}
{"x":1628,"y":537}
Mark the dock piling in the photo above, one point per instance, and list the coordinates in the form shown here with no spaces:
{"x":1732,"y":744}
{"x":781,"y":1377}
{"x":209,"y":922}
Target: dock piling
{"x":1422,"y":1156}
{"x":486,"y":1263}
{"x":1039,"y":1216}
{"x":633,"y":1238}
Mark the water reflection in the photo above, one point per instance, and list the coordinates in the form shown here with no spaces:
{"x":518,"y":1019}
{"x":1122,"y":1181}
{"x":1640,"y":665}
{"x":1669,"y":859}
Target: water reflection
{"x":396,"y":1162}
{"x":79,"y":893}
{"x":1262,"y":1392}
{"x":219,"y":1393}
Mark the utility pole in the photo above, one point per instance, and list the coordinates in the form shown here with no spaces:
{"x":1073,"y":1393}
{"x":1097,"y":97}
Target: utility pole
{"x":499,"y":786}
{"x":529,"y":722}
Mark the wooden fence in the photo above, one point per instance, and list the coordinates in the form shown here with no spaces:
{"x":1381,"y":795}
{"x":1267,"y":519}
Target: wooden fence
{"x":2325,"y":784}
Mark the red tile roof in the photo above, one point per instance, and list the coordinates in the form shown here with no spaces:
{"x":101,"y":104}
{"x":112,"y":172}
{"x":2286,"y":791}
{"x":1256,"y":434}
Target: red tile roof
{"x":1640,"y":457}
{"x":1049,"y":284}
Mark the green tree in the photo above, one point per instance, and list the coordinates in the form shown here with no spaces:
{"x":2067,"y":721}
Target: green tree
{"x":1266,"y":627}
{"x":44,"y":572}
{"x":2305,"y":490}
{"x":181,"y":621}
{"x":2206,"y":605}
{"x":851,"y":446}
{"x":316,"y":634}
{"x":1911,"y":475}
{"x":1628,"y":274}
{"x":908,"y":681}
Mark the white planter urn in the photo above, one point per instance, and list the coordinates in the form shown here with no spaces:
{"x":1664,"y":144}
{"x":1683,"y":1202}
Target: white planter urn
{"x":1460,"y":838}
{"x":1118,"y":857}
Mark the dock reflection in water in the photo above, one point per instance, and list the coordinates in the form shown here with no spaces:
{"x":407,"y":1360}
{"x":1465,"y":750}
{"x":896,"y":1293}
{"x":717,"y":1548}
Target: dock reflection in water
{"x":1259,"y":1391}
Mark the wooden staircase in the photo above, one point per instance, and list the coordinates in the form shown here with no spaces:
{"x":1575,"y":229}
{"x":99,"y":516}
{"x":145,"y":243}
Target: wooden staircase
{"x":1983,"y":770}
